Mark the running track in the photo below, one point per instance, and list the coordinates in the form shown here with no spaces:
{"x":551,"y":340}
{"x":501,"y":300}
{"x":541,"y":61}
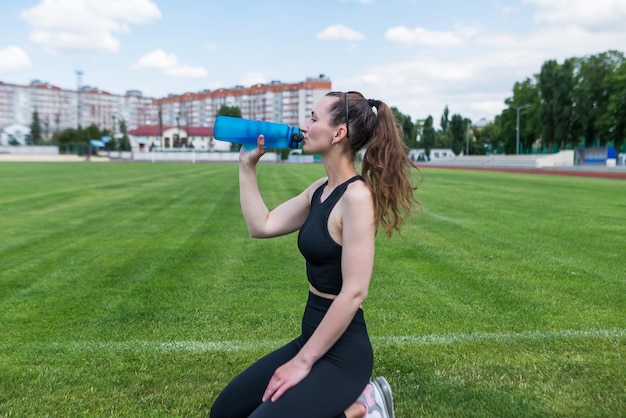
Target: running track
{"x":581,"y":172}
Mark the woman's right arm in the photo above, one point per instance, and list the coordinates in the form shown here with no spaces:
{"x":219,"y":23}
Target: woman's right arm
{"x":263,"y":223}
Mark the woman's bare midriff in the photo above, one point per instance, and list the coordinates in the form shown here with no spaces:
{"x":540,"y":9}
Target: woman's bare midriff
{"x":321,"y":294}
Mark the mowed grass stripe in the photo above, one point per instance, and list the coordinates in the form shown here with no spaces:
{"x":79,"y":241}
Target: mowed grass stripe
{"x":433,"y":339}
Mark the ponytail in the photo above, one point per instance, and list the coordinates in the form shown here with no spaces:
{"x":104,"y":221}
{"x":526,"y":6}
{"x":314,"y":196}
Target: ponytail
{"x":386,"y":167}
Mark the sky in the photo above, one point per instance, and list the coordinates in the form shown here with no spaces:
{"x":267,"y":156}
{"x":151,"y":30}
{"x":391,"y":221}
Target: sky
{"x":417,"y":55}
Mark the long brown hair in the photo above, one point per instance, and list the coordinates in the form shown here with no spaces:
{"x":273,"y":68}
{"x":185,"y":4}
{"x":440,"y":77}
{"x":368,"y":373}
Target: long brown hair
{"x":386,"y":166}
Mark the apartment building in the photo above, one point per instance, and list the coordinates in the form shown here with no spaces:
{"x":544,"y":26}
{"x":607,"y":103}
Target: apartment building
{"x":59,"y":109}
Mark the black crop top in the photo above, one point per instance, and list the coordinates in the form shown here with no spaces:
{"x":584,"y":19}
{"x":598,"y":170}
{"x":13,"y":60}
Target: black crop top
{"x":321,"y":252}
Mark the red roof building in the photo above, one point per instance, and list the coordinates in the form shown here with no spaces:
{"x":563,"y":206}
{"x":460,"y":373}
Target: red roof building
{"x":168,"y":137}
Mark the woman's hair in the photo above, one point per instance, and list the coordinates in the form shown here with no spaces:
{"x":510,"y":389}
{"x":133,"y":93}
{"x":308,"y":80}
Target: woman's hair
{"x":386,"y":166}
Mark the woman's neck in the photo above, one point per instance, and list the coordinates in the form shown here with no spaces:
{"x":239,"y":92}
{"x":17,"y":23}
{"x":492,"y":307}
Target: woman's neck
{"x":338,"y":169}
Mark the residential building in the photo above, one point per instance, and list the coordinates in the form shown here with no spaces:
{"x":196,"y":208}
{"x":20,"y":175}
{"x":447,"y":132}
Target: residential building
{"x":289,"y":103}
{"x":59,"y":109}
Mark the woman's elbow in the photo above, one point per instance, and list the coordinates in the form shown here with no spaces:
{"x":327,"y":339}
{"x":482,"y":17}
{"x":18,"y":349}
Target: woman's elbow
{"x":257,"y":234}
{"x":357,"y":296}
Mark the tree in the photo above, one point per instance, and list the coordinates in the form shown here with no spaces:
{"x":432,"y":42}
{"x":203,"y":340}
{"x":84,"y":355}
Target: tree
{"x":564,"y":82}
{"x":524,"y":93}
{"x":547,"y":91}
{"x":407,"y":128}
{"x":428,"y":136}
{"x":444,"y":120}
{"x":124,"y":141}
{"x":70,"y":136}
{"x":232,"y":111}
{"x":481,"y":140}
{"x":458,"y":131}
{"x":35,"y":130}
{"x":591,"y":95}
{"x":617,"y":104}
{"x":92,"y":132}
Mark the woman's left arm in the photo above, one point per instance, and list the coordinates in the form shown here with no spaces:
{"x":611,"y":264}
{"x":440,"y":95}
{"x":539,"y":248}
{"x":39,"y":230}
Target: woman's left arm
{"x":358,"y":236}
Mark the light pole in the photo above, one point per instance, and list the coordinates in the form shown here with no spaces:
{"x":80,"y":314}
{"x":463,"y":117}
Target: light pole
{"x":79,"y":82}
{"x":113,"y":130}
{"x":467,"y":127}
{"x":518,"y":108}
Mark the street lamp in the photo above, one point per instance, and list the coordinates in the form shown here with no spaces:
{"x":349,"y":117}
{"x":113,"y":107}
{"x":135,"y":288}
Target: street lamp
{"x":79,"y":82}
{"x":467,"y":128}
{"x":518,"y":108}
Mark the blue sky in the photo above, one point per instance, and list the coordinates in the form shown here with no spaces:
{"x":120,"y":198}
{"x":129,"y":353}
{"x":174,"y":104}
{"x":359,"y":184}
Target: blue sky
{"x":417,"y":55}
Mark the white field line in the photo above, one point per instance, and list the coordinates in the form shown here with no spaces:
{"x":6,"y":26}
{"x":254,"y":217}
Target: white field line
{"x":433,"y":339}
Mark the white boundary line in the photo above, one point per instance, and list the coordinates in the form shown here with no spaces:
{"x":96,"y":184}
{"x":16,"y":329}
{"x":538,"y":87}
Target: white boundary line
{"x":229,"y":346}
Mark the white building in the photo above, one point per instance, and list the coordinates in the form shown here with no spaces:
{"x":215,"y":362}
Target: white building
{"x":14,"y":135}
{"x":167,"y":137}
{"x":419,"y":154}
{"x":59,"y":109}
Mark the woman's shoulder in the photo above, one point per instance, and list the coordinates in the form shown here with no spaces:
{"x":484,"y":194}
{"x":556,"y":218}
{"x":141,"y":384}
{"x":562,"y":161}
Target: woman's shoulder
{"x":314,"y":186}
{"x":358,"y":192}
{"x":317,"y":184}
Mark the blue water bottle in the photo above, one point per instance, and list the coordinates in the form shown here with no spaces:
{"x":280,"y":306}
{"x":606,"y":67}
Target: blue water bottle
{"x":246,"y":132}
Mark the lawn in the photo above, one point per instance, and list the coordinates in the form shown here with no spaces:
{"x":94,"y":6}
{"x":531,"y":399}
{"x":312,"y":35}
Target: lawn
{"x":131,"y":289}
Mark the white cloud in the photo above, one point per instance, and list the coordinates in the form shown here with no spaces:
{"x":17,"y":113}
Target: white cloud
{"x":421,"y":36}
{"x":505,"y":10}
{"x":13,"y":58}
{"x":137,"y":12}
{"x":85,"y":25}
{"x":252,"y":78}
{"x":340,"y":32}
{"x":210,"y":46}
{"x":168,"y":64}
{"x":476,"y":79}
{"x":598,"y":15}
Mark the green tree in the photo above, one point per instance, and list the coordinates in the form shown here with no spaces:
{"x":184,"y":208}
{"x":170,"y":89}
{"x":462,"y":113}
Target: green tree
{"x":69,"y":136}
{"x":547,"y":90}
{"x":232,"y":111}
{"x":407,"y":128}
{"x":458,"y":133}
{"x":481,"y":142}
{"x":444,"y":122}
{"x":92,"y":132}
{"x":124,"y":144}
{"x":617,"y":104}
{"x":428,"y":136}
{"x":492,"y":136}
{"x":564,"y":83}
{"x":35,"y":130}
{"x":525,"y":93}
{"x":591,"y":95}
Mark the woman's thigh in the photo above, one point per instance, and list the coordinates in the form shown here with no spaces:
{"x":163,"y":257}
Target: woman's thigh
{"x":325,"y":393}
{"x":243,"y":394}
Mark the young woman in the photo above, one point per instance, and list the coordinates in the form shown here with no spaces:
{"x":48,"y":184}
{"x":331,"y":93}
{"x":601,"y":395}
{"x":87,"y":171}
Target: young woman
{"x":321,"y":373}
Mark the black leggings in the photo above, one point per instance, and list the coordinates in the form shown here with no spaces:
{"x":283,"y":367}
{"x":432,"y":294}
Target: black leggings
{"x":334,"y":383}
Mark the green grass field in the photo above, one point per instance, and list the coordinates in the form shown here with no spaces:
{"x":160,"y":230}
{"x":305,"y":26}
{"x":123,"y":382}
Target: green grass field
{"x":131,"y":289}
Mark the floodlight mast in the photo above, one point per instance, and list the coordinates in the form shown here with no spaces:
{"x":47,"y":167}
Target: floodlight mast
{"x":518,"y":108}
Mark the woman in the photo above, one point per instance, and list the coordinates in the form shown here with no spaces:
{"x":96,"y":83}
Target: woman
{"x":322,"y":372}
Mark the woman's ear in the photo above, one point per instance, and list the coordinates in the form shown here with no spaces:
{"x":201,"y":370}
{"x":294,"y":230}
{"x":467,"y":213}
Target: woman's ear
{"x":340,"y":134}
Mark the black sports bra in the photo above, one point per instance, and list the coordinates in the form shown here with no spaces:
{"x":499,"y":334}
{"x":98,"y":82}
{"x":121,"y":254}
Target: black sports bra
{"x":321,"y":252}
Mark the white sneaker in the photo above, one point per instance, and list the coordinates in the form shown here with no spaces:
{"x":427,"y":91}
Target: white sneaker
{"x":377,"y":399}
{"x":385,"y":388}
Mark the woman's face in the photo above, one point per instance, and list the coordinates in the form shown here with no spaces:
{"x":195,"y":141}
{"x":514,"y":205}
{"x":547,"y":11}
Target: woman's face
{"x":318,"y":134}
